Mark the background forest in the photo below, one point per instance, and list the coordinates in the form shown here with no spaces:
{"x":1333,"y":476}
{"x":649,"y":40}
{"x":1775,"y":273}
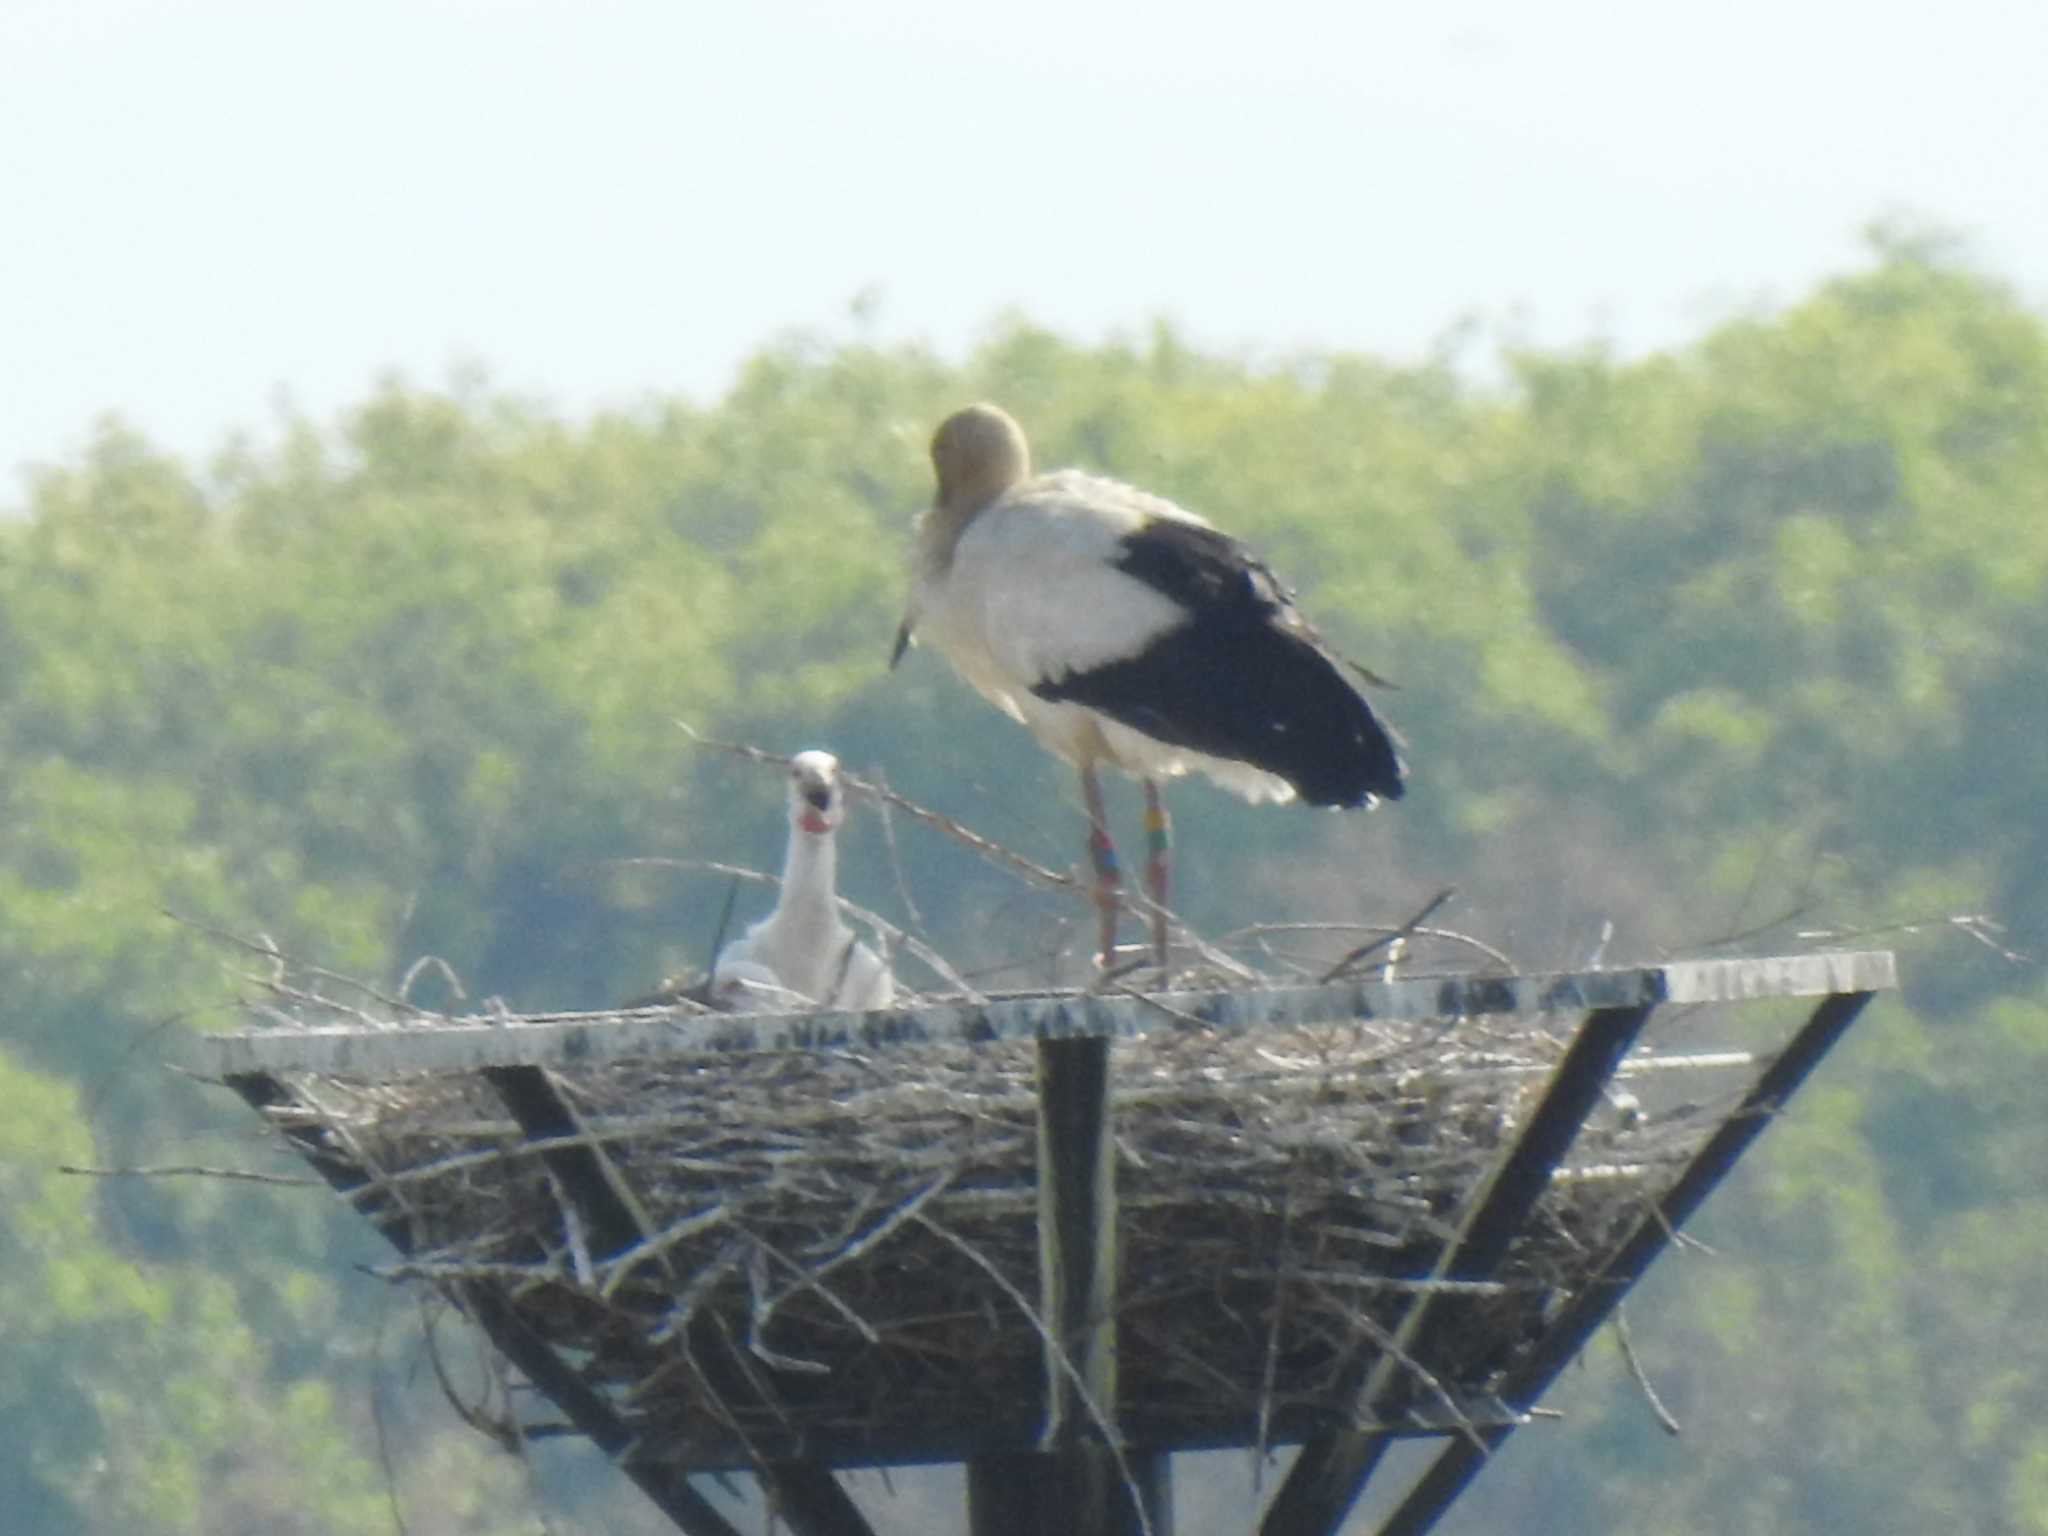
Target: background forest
{"x":1725,"y":646}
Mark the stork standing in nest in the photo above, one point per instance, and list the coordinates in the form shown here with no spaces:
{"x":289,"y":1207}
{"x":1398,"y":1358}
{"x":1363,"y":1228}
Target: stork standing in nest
{"x":1122,"y":629}
{"x":804,"y":946}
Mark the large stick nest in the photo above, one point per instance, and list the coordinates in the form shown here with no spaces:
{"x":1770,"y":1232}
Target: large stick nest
{"x":841,"y":1251}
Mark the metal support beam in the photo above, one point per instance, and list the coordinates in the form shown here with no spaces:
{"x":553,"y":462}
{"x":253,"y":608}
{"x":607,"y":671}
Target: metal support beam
{"x":1077,"y":1239}
{"x":1152,"y":1471}
{"x":1006,"y":1494}
{"x":666,"y":1484}
{"x":612,"y":1222}
{"x":811,"y":1501}
{"x":806,"y":1495}
{"x":1068,"y":1493}
{"x":1461,"y":1460}
{"x":1332,"y":1470}
{"x":1081,"y":1489}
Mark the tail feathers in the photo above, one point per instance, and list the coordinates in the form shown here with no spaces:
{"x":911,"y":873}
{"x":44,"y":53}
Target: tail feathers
{"x":1256,"y":693}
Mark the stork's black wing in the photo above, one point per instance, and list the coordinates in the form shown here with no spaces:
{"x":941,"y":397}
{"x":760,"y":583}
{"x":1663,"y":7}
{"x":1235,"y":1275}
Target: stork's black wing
{"x":1244,"y":676}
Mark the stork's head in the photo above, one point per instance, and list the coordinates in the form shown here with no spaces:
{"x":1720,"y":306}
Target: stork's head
{"x":978,"y":454}
{"x":816,"y":802}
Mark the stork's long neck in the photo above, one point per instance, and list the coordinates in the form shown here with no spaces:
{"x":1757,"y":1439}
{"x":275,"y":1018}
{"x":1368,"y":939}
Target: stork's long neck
{"x":809,"y":874}
{"x":940,"y":525}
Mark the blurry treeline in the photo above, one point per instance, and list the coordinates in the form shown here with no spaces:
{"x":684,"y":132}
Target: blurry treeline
{"x":1723,"y":646}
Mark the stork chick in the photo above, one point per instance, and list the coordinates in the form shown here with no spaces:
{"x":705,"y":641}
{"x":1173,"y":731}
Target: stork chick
{"x":1122,"y":629}
{"x":804,"y":946}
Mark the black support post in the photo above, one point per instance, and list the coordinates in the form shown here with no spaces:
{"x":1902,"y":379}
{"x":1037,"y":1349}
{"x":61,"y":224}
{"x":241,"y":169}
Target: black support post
{"x":1332,"y":1470}
{"x":1460,"y":1461}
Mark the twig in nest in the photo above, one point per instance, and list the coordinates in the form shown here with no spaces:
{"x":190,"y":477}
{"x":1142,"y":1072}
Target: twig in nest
{"x":988,"y":848}
{"x":1757,"y":931}
{"x":622,"y":1265}
{"x":476,"y":1415}
{"x":185,"y":1170}
{"x":757,"y":1321}
{"x":1372,"y":946}
{"x":896,"y":858}
{"x":1635,"y":1369}
{"x":732,"y":895}
{"x":379,"y":1420}
{"x":1270,"y":1365}
{"x":1977,"y":925}
{"x":1262,"y":931}
{"x":1056,"y":1351}
{"x":984,"y":846}
{"x":427,"y":963}
{"x":891,"y":936}
{"x":279,"y":962}
{"x":904,"y":1214}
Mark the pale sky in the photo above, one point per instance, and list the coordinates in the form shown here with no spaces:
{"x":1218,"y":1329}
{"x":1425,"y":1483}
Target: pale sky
{"x":206,"y":205}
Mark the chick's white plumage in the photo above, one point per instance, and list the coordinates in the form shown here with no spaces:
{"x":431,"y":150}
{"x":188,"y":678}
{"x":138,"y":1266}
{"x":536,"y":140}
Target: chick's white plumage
{"x":804,"y":947}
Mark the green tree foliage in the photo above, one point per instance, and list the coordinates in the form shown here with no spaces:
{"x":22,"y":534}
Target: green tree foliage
{"x":1684,"y":642}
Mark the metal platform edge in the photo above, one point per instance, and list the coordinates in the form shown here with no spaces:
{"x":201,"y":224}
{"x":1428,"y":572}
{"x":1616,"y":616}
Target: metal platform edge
{"x":435,"y":1043}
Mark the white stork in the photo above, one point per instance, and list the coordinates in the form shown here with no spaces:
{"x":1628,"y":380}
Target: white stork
{"x":804,"y":946}
{"x":1122,"y":629}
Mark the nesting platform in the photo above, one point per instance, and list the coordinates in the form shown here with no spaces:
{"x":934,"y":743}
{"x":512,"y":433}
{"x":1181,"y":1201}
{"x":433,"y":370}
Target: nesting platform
{"x":1056,"y":1236}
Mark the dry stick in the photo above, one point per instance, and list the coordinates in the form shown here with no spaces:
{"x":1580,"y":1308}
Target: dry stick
{"x":1395,"y":937}
{"x":707,"y":1279}
{"x":1790,"y":915}
{"x":572,"y":1230}
{"x":766,"y":1303}
{"x":179,"y":1170}
{"x":622,"y":1265}
{"x":1270,"y":1366}
{"x":271,"y":952}
{"x":1635,"y":1369}
{"x":889,"y":932}
{"x":1448,"y":935}
{"x":895,"y":856}
{"x":1385,"y":1282}
{"x":475,"y":1415}
{"x":460,"y":1269}
{"x":1389,"y":1346}
{"x":1058,"y":1352}
{"x":378,"y":1421}
{"x":315,"y":1002}
{"x":426,"y":963}
{"x":993,"y":851}
{"x":1179,"y":931}
{"x":902,"y":1216}
{"x":516,"y":1438}
{"x":1978,"y":925}
{"x":757,"y":1282}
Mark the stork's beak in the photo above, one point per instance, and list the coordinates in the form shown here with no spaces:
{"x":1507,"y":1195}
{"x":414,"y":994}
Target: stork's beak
{"x":902,"y":644}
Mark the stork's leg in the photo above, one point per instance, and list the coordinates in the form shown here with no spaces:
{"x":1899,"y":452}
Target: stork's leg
{"x":1158,"y":866}
{"x":1102,"y":854}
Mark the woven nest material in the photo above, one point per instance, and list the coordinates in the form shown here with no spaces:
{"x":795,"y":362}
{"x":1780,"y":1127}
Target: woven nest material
{"x":839,"y":1250}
